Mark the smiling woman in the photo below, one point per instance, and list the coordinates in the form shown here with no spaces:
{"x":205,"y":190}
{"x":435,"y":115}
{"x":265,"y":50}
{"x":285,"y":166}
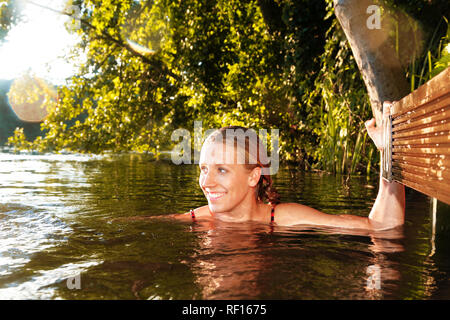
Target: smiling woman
{"x":236,"y":184}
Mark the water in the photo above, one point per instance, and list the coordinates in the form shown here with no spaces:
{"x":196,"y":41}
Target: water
{"x":66,"y":233}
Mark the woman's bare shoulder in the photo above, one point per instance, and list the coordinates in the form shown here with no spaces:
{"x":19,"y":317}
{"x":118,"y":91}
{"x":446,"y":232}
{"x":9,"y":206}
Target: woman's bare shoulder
{"x":295,"y":213}
{"x":292,"y":207}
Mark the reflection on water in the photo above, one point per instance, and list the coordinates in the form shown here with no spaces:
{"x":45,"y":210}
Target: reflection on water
{"x":58,"y":239}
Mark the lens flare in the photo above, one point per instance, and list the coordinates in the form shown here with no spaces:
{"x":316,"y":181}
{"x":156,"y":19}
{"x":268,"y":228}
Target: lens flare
{"x":138,"y":48}
{"x":31,"y":98}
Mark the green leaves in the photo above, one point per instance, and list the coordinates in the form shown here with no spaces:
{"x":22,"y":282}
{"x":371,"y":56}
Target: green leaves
{"x":9,"y":15}
{"x":154,"y":66}
{"x":339,"y":105}
{"x":442,"y":61}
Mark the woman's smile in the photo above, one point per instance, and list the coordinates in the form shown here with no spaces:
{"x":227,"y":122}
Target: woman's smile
{"x":214,"y":196}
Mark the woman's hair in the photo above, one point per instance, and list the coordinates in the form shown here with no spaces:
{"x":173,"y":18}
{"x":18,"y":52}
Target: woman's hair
{"x":255,"y":156}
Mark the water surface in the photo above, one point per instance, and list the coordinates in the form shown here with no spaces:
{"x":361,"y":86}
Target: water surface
{"x":65,"y":234}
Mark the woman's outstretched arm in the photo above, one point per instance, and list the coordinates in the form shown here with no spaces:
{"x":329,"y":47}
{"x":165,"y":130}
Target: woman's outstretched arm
{"x":387,"y":212}
{"x":389,"y":207}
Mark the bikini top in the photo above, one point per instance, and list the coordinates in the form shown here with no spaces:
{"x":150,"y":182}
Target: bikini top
{"x":272,"y":214}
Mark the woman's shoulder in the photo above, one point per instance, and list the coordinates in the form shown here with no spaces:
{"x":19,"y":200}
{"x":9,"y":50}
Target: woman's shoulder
{"x":291,"y":207}
{"x":290,"y":213}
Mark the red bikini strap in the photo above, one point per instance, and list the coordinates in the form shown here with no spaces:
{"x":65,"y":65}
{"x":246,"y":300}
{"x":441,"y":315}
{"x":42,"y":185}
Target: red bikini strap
{"x":272,"y":214}
{"x":192,"y":214}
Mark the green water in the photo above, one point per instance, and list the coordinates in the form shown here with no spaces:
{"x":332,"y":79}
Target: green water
{"x":65,"y":233}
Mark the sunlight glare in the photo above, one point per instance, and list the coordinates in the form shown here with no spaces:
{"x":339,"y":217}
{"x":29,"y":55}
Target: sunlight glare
{"x":38,"y":44}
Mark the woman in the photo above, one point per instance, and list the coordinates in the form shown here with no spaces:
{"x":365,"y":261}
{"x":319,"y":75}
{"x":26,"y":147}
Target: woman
{"x":237,"y":191}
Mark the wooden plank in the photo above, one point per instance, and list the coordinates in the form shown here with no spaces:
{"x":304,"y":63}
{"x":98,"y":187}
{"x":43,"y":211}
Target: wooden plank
{"x":421,"y":122}
{"x":433,"y":89}
{"x":418,"y":164}
{"x":432,"y":173}
{"x":422,"y":187}
{"x":444,"y":150}
{"x":436,"y":129}
{"x":398,"y":140}
{"x":444,"y":197}
{"x":423,"y":160}
{"x":434,"y":106}
{"x":434,"y":188}
{"x":435,"y":139}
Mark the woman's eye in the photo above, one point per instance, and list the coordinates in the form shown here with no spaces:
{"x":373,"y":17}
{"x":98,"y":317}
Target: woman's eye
{"x":204,"y":169}
{"x":222,"y":170}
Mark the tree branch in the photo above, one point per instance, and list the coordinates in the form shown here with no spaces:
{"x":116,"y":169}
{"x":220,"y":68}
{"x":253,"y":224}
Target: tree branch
{"x":119,"y":42}
{"x":377,"y":60}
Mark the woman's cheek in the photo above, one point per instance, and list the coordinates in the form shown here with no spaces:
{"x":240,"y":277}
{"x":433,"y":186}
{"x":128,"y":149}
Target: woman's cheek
{"x":201,"y":178}
{"x":223,"y":179}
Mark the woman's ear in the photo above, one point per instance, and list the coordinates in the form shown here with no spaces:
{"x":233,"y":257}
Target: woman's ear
{"x":254,"y":176}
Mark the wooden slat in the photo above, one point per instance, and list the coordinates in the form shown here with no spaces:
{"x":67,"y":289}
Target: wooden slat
{"x":445,"y":150}
{"x":436,"y":129}
{"x":433,"y":188}
{"x":424,"y":121}
{"x":433,"y":89}
{"x":430,"y":140}
{"x":398,"y":140}
{"x":432,"y":107}
{"x":431,"y":173}
{"x":423,"y":187}
{"x":423,"y":160}
{"x":417,"y":164}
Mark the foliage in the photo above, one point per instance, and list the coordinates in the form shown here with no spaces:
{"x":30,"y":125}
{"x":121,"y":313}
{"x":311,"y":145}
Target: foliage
{"x":420,"y":31}
{"x":154,"y":66}
{"x":9,"y":15}
{"x":339,"y":105}
{"x":436,"y":60}
{"x":219,"y":62}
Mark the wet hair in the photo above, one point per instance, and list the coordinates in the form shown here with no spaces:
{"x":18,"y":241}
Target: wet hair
{"x":255,"y":156}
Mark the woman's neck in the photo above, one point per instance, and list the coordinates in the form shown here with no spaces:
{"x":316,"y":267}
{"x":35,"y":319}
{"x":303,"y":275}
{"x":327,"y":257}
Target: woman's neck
{"x":248,"y":210}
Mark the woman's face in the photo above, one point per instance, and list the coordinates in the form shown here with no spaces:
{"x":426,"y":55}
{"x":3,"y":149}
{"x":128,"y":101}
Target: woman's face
{"x":224,"y":182}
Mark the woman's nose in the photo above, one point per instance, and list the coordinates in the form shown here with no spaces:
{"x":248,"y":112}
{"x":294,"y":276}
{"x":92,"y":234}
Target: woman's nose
{"x":208,"y":180}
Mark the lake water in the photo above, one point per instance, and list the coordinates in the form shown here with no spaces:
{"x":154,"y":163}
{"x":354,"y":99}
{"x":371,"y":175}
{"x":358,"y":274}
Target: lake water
{"x":65,"y":233}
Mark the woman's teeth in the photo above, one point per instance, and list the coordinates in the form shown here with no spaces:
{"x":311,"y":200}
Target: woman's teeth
{"x":215,"y":195}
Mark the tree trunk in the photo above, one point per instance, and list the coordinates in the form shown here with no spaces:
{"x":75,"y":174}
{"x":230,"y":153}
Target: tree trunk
{"x":377,"y":60}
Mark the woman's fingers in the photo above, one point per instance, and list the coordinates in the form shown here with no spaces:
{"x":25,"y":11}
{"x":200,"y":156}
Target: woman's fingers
{"x":375,"y":133}
{"x":387,"y":108}
{"x":370,"y":124}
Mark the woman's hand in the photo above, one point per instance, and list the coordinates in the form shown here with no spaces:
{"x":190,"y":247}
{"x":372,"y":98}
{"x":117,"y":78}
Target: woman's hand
{"x":376,"y":133}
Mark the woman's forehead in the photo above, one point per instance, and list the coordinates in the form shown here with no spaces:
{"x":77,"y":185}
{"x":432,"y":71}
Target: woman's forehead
{"x":221,"y":153}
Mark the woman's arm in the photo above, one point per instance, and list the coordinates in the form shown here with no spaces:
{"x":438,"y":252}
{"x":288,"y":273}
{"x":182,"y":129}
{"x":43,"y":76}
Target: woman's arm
{"x":387,"y":212}
{"x":389,"y":208}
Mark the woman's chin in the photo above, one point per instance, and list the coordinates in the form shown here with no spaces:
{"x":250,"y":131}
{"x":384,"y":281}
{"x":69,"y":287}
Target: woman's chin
{"x":216,"y":208}
{"x":213,"y":208}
